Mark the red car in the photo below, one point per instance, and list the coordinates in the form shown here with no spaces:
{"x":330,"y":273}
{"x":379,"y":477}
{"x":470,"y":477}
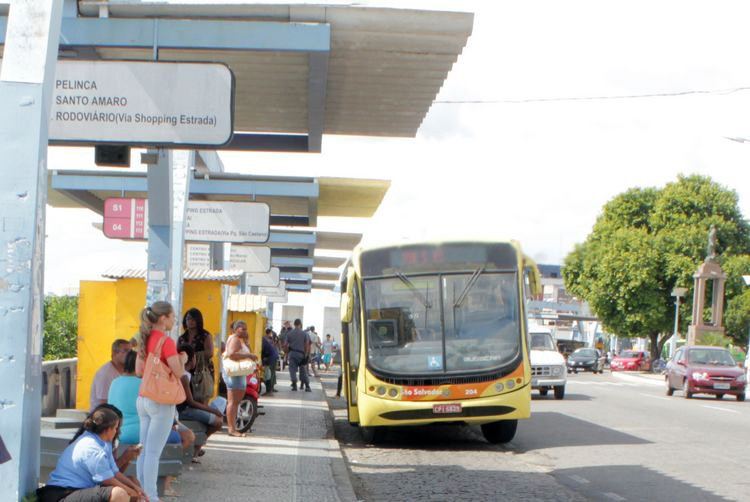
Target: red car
{"x":705,"y":370}
{"x":631,"y":360}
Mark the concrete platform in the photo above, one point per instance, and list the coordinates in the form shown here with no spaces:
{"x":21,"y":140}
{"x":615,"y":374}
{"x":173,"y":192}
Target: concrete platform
{"x":291,"y":455}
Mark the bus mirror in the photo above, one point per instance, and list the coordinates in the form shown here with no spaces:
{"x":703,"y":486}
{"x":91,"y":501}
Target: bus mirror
{"x":346,"y":307}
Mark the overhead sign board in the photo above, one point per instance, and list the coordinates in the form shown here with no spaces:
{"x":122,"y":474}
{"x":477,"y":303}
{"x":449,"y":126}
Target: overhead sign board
{"x":268,"y":279}
{"x":198,"y":256}
{"x":227,"y":221}
{"x":142,"y":103}
{"x":208,"y":221}
{"x":250,"y":258}
{"x":278,"y":299}
{"x":126,"y":218}
{"x":273,"y":291}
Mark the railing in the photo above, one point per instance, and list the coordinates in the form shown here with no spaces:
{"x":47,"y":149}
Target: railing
{"x":58,"y":385}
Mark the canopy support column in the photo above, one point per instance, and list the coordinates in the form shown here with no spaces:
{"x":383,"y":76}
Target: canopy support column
{"x":168,"y":189}
{"x":26,"y":85}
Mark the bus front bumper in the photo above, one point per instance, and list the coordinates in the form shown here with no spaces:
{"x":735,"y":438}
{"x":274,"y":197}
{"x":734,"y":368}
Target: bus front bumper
{"x":374,"y":411}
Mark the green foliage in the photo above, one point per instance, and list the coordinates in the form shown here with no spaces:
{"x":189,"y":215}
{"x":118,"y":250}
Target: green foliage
{"x":60,"y":327}
{"x":715,"y":340}
{"x":648,"y":241}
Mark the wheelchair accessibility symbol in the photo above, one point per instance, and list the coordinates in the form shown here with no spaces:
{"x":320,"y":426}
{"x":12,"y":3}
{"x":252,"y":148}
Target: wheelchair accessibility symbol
{"x":435,"y":362}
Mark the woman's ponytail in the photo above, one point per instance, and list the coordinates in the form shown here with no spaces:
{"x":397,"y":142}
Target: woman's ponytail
{"x":149,"y":317}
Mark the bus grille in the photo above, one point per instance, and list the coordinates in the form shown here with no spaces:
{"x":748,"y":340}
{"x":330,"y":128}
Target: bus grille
{"x":447,"y":380}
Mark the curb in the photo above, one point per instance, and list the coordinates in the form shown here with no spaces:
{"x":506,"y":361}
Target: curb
{"x":341,"y":473}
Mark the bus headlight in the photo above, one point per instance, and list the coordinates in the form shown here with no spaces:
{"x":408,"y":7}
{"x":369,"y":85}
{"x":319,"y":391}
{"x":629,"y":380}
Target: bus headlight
{"x":393,"y":392}
{"x":381,"y":391}
{"x":510,"y":384}
{"x":499,"y":387}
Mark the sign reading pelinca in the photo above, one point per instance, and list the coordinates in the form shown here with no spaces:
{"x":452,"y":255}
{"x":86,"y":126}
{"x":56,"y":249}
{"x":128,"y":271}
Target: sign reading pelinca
{"x":227,"y":221}
{"x":142,"y":103}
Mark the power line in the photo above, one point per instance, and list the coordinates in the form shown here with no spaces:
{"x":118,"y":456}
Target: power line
{"x":592,"y":98}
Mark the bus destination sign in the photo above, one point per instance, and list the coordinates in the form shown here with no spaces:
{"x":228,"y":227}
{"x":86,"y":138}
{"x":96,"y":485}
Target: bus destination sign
{"x":142,"y":103}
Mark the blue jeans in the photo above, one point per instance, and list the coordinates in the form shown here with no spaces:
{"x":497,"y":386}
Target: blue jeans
{"x":295,"y":360}
{"x":156,"y":422}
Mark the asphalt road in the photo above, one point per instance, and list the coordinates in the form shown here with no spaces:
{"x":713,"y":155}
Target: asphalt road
{"x":614,"y":437}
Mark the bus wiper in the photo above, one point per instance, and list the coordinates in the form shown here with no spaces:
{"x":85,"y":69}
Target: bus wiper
{"x":425,"y":302}
{"x":472,"y":280}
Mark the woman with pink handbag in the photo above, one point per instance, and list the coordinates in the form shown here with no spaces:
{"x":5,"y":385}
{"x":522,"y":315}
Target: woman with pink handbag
{"x":161,"y":368}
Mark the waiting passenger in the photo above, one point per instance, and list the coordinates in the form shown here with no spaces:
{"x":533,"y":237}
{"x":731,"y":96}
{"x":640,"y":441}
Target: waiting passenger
{"x":86,"y":470}
{"x":107,"y":373}
{"x":195,"y":410}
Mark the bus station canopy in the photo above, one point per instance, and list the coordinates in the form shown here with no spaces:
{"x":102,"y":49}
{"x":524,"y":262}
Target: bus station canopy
{"x":295,"y":203}
{"x":301,"y":70}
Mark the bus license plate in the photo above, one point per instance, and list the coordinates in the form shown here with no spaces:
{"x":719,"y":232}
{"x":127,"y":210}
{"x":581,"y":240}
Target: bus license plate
{"x":446,"y":408}
{"x":722,"y":386}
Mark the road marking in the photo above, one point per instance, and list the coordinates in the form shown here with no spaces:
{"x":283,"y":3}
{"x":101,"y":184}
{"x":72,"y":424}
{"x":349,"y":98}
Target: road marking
{"x":579,"y":479}
{"x":720,"y":409}
{"x":644,"y":380}
{"x":655,"y":397}
{"x":614,"y":496}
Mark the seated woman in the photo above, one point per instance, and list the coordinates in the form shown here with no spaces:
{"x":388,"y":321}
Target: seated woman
{"x":195,"y":410}
{"x":86,"y":471}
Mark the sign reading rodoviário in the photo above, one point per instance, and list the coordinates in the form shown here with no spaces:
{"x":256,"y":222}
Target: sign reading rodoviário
{"x":227,"y":221}
{"x":142,"y":103}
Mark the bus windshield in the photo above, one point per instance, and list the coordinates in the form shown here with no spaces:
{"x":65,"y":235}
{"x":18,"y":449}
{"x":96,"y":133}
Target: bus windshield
{"x":445,"y":323}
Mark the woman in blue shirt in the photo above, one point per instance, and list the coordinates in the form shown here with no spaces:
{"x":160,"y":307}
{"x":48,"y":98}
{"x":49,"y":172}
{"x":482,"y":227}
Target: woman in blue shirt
{"x":86,"y":471}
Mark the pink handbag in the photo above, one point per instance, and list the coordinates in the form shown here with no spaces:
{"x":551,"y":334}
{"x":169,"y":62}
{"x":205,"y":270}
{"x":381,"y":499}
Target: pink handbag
{"x":159,"y":383}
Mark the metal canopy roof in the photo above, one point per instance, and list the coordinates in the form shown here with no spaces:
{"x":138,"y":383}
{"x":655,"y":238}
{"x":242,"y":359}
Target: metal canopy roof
{"x":301,"y":70}
{"x":385,"y":68}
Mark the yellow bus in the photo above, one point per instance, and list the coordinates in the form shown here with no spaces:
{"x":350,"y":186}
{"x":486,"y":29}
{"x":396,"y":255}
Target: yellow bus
{"x":436,"y":332}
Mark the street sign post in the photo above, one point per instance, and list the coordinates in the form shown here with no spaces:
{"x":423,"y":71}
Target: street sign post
{"x":227,"y":221}
{"x":142,"y":103}
{"x":268,"y":279}
{"x":250,"y":258}
{"x":207,"y":221}
{"x":273,"y":290}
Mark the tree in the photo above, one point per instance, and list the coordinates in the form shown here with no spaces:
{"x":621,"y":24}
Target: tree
{"x":646,"y":242}
{"x":60,"y":327}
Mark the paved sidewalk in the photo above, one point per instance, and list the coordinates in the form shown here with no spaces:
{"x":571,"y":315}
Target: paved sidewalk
{"x":290,"y":455}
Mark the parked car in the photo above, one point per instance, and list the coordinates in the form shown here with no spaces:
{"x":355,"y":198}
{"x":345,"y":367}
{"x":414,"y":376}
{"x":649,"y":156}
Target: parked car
{"x":631,"y":360}
{"x":705,"y":370}
{"x":547,"y":364}
{"x":586,"y":359}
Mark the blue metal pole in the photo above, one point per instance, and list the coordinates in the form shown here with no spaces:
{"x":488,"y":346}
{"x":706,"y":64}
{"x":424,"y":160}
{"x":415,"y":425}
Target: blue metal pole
{"x":168,"y":189}
{"x":26,"y":81}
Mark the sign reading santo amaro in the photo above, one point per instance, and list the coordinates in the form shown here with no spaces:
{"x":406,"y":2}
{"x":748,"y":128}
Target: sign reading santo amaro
{"x":142,"y":103}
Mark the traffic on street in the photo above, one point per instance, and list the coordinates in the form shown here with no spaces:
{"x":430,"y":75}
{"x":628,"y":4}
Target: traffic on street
{"x":615,"y":437}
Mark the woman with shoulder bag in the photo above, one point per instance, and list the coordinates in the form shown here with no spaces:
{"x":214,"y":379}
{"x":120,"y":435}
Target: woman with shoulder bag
{"x":161,"y":368}
{"x":237,"y":350}
{"x":195,"y":335}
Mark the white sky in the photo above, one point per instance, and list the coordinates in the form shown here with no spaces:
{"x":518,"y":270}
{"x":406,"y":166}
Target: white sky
{"x":538,"y":172}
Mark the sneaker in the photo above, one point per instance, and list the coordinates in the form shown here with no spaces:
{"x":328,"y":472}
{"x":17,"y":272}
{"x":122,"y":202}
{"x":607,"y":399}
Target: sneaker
{"x":294,"y":386}
{"x":308,"y":389}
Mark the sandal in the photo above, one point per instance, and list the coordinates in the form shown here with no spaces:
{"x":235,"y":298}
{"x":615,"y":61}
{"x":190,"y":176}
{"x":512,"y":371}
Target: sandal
{"x":236,"y":434}
{"x":201,"y":452}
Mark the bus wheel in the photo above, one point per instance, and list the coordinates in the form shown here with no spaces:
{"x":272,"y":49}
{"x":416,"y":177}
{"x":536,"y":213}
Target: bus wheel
{"x":373,"y":435}
{"x":500,"y":432}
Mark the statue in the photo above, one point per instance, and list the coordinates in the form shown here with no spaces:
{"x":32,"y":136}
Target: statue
{"x":712,"y":242}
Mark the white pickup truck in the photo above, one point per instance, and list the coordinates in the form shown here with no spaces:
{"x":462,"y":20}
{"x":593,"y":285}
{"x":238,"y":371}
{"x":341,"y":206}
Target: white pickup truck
{"x":547,"y":364}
